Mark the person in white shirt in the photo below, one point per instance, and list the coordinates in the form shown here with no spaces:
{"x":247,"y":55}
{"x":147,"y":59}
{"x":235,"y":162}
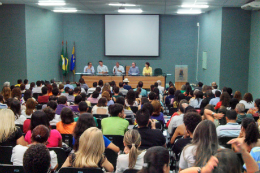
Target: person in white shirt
{"x":16,"y":108}
{"x":91,"y":90}
{"x":160,"y":87}
{"x":89,"y":68}
{"x":40,"y":135}
{"x":133,"y":157}
{"x":248,"y":101}
{"x":38,"y":89}
{"x":102,"y":69}
{"x":118,"y":69}
{"x":26,"y":83}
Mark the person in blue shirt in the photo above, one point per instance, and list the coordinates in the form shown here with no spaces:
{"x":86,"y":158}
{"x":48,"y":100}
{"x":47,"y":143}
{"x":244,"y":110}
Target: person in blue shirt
{"x":68,"y":85}
{"x":126,"y":86}
{"x":143,"y":91}
{"x":2,"y":105}
{"x":134,"y":70}
{"x":84,"y":122}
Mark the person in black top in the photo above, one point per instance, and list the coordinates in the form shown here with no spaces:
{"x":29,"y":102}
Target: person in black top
{"x":10,"y":135}
{"x":191,"y":120}
{"x":149,"y":136}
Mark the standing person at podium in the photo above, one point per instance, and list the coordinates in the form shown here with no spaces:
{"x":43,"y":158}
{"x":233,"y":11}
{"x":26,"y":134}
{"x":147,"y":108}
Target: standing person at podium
{"x":89,"y":69}
{"x":102,"y":69}
{"x":134,"y":70}
{"x":118,"y":69}
{"x":147,"y":71}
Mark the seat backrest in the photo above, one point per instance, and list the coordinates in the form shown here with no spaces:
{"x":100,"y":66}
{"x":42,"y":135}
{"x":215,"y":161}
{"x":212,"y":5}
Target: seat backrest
{"x":53,"y":126}
{"x":223,"y":141}
{"x":67,"y":139}
{"x":20,"y":126}
{"x":93,"y":104}
{"x":11,"y":169}
{"x":117,"y":140}
{"x":172,"y":111}
{"x":80,"y":170}
{"x":61,"y":155}
{"x":36,"y":95}
{"x":127,"y":70}
{"x":131,"y":171}
{"x":5,"y":154}
{"x":111,"y":157}
{"x":100,"y":116}
{"x":134,"y":108}
{"x":157,"y":71}
{"x":39,"y":106}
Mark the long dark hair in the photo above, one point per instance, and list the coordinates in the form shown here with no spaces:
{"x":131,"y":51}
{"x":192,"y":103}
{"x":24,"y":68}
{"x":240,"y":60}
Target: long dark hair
{"x":225,"y":98}
{"x":32,"y":85}
{"x":154,"y":160}
{"x":16,"y":108}
{"x":251,"y":130}
{"x":84,"y":122}
{"x":27,"y":95}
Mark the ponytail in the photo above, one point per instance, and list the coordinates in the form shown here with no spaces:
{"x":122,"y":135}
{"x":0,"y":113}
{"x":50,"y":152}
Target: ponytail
{"x":132,"y":139}
{"x":252,"y":133}
{"x":133,"y":154}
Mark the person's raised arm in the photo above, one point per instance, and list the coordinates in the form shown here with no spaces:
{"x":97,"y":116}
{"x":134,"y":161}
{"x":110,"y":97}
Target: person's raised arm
{"x":210,"y":115}
{"x":108,"y":166}
{"x":113,"y":147}
{"x":251,"y":165}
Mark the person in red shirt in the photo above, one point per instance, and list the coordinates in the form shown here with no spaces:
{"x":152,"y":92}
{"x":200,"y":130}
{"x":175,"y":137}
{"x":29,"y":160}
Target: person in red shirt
{"x":45,"y":97}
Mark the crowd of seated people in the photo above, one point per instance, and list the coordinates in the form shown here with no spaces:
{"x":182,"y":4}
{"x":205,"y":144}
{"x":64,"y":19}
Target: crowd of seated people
{"x":34,"y":118}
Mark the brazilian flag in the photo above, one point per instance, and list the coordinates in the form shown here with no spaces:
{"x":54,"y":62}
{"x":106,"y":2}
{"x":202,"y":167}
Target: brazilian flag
{"x":64,"y":61}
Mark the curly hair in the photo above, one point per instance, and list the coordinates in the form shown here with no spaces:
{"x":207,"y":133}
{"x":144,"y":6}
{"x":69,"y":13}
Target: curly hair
{"x":6,"y":92}
{"x":225,"y":98}
{"x":251,"y":130}
{"x":16,"y":92}
{"x":37,"y":159}
{"x":191,"y":120}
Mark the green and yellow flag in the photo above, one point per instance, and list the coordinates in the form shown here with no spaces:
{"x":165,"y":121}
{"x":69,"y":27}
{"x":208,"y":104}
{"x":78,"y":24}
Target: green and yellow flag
{"x":66,"y":61}
{"x":63,"y":61}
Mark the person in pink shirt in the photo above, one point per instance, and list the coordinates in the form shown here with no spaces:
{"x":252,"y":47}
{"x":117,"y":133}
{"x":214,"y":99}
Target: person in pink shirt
{"x":40,"y":118}
{"x":94,"y":97}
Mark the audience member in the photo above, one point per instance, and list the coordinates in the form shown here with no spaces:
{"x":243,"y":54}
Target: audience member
{"x":240,"y":109}
{"x":116,"y":124}
{"x":122,"y":89}
{"x":94,"y":97}
{"x":126,"y":86}
{"x":67,"y":124}
{"x":157,"y":114}
{"x":71,"y":97}
{"x":37,"y":159}
{"x":26,"y":83}
{"x":127,"y":110}
{"x":40,"y":118}
{"x":37,"y":89}
{"x":32,"y":85}
{"x":53,"y":105}
{"x":10,"y":135}
{"x":116,"y":94}
{"x":248,"y":101}
{"x":66,"y":92}
{"x":232,"y":128}
{"x":16,"y":93}
{"x":27,"y":95}
{"x":90,"y":152}
{"x":143,"y":91}
{"x":101,"y":107}
{"x":149,"y":137}
{"x":160,"y":87}
{"x":92,"y":89}
{"x":215,"y":100}
{"x":40,"y":135}
{"x":68,"y":85}
{"x":131,"y":99}
{"x":156,"y":160}
{"x":75,"y":107}
{"x":45,"y":97}
{"x":49,"y":89}
{"x":204,"y":145}
{"x":6,"y":92}
{"x":16,"y":108}
{"x":62,"y":102}
{"x":2,"y":105}
{"x":233,"y":103}
{"x":191,"y":120}
{"x":223,"y":101}
{"x":83,"y":84}
{"x":30,"y":108}
{"x":133,"y":158}
{"x":255,"y":110}
{"x":238,"y":95}
{"x":106,"y":94}
{"x":197,"y":100}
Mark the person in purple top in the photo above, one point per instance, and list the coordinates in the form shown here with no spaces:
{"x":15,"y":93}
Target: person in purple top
{"x":75,"y":107}
{"x":157,"y":114}
{"x":62,"y":102}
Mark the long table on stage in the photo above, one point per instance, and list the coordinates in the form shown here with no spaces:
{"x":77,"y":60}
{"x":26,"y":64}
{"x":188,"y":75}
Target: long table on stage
{"x":147,"y":80}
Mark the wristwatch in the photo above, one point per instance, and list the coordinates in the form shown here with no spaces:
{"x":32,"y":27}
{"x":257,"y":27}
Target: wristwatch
{"x":213,"y":114}
{"x":199,"y":170}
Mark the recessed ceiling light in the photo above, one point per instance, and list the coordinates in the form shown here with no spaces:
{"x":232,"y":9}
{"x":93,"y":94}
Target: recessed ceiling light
{"x":72,"y":10}
{"x":0,"y":3}
{"x":122,"y":4}
{"x":194,"y":6}
{"x":189,"y":12}
{"x":130,"y":10}
{"x":51,"y":3}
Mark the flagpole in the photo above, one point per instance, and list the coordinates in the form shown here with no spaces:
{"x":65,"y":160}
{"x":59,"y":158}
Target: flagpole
{"x":74,"y":66}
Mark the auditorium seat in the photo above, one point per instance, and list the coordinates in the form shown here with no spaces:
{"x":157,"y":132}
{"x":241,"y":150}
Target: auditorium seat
{"x":157,"y":72}
{"x":111,"y":157}
{"x":67,"y":139}
{"x":6,"y":153}
{"x":11,"y":169}
{"x":117,"y":140}
{"x":80,"y":170}
{"x":99,"y":117}
{"x":131,"y":171}
{"x":61,"y":155}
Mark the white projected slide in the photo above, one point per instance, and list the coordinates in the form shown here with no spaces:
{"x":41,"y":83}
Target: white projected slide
{"x":132,"y":35}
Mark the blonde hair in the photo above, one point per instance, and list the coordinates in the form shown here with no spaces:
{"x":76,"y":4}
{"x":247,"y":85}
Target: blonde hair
{"x":132,"y":139}
{"x":106,"y":87}
{"x":7,"y":125}
{"x":30,"y":106}
{"x":91,"y":148}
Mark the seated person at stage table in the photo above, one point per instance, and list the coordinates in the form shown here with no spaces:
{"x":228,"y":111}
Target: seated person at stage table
{"x":147,"y":70}
{"x":89,"y":68}
{"x":134,"y":70}
{"x":118,"y":69}
{"x":102,"y":69}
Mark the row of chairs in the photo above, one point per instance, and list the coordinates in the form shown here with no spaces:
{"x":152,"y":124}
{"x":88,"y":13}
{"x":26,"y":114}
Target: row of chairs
{"x":19,"y":169}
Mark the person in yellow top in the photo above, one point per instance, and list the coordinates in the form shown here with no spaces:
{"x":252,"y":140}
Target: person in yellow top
{"x":147,"y":71}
